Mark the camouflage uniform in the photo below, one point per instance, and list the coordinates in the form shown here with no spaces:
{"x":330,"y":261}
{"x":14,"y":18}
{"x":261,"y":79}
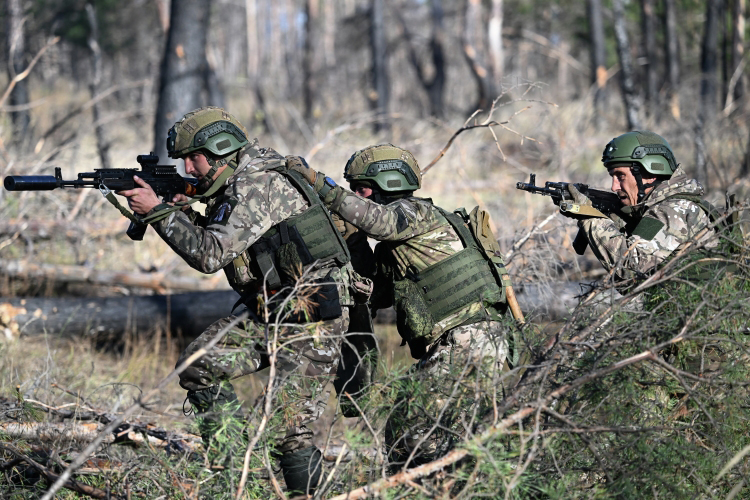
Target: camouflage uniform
{"x":415,"y":235}
{"x":616,"y":246}
{"x":252,"y":201}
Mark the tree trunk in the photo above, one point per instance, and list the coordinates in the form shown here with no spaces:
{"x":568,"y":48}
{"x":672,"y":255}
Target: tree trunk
{"x":311,"y":57}
{"x":495,"y":35}
{"x":433,"y":86}
{"x":598,"y":53}
{"x":672,"y":57}
{"x":102,"y":142}
{"x":253,"y":49}
{"x":16,"y":43}
{"x":709,"y":60}
{"x":475,"y":51}
{"x":629,"y":95}
{"x":380,"y":83}
{"x":738,"y":48}
{"x":183,"y":66}
{"x":649,"y":44}
{"x":113,"y":317}
{"x":63,"y":274}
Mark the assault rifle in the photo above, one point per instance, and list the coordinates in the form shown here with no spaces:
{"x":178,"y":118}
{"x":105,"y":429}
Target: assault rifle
{"x":164,"y":180}
{"x":603,"y":203}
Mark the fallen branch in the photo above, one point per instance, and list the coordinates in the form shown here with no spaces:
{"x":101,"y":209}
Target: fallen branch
{"x":143,"y":402}
{"x":113,"y":317}
{"x":161,"y":282}
{"x":68,"y":483}
{"x":135,"y":434}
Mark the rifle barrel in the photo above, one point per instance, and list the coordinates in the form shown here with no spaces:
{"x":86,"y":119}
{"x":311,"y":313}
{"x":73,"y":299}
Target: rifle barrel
{"x":30,"y":182}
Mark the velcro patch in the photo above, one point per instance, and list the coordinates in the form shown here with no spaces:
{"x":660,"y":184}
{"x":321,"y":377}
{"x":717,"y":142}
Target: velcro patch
{"x":401,"y":221}
{"x":222,"y":212}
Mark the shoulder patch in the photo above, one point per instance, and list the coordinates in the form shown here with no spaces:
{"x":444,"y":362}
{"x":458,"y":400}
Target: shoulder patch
{"x":222,"y":212}
{"x":647,"y":228}
{"x":401,"y":221}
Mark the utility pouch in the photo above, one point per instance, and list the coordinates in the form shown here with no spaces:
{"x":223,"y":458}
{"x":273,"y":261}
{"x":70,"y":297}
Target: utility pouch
{"x":241,"y":273}
{"x":414,"y":320}
{"x":479,"y":224}
{"x":326,"y":298}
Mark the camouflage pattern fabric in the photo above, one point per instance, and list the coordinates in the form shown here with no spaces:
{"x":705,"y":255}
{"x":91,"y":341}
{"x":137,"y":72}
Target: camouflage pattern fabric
{"x":633,"y":255}
{"x":414,"y":236}
{"x":306,"y":367}
{"x":419,"y":234}
{"x":252,"y":201}
{"x":464,"y":372}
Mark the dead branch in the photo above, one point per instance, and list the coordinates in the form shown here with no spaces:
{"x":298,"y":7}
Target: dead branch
{"x":488,"y":123}
{"x":143,"y":402}
{"x":137,"y":433}
{"x":23,"y":74}
{"x":68,"y":483}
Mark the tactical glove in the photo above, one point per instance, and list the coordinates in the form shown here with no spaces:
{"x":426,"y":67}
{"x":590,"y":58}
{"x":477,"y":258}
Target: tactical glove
{"x":308,"y":173}
{"x":578,"y":197}
{"x":345,"y":228}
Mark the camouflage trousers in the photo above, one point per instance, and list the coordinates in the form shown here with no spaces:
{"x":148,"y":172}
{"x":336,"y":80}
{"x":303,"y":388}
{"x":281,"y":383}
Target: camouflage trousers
{"x":307,"y":358}
{"x":447,"y":393}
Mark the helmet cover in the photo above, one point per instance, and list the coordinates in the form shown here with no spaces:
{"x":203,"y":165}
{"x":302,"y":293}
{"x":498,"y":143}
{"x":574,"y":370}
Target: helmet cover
{"x":385,"y":166}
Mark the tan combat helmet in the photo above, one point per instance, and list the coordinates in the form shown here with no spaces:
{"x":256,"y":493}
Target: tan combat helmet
{"x":385,"y":166}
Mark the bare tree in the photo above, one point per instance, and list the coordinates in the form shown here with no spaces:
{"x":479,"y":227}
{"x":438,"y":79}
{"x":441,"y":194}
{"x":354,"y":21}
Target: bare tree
{"x":253,"y":42}
{"x":435,"y":85}
{"x":649,"y":44}
{"x":672,"y":58}
{"x":738,"y":48}
{"x":102,"y":142}
{"x":16,"y":43}
{"x":475,"y":51}
{"x":183,"y":67}
{"x":629,"y":95}
{"x":311,"y":56}
{"x":495,"y":35}
{"x":598,"y":52}
{"x":380,"y":83}
{"x":709,"y":59}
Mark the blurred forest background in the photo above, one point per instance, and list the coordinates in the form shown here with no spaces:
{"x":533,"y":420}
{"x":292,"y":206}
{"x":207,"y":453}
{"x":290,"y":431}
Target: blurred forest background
{"x":529,"y":86}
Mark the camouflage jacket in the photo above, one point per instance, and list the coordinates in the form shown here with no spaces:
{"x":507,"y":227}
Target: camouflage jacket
{"x":414,"y":236}
{"x":252,"y":201}
{"x":615,"y":245}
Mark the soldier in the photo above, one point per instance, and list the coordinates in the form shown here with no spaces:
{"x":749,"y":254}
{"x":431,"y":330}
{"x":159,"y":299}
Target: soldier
{"x":662,"y":206}
{"x":265,"y":227}
{"x":448,"y":300}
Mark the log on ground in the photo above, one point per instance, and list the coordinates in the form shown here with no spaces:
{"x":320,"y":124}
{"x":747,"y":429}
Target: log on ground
{"x":187,"y":314}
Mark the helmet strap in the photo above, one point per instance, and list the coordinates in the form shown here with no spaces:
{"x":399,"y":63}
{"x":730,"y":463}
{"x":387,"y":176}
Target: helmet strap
{"x":636,"y":170}
{"x":215,"y":166}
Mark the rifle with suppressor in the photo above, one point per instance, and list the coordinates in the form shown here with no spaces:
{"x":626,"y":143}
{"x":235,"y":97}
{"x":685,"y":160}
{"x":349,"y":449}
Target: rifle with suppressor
{"x":164,"y":180}
{"x":604,"y":204}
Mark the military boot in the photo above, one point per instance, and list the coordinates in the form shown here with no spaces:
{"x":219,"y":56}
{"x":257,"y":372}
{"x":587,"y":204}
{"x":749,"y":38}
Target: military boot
{"x":302,"y":469}
{"x":220,"y":421}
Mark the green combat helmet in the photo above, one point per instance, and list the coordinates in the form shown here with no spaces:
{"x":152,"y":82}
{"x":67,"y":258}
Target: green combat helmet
{"x":391,"y":169}
{"x":646,"y":149}
{"x":210,"y":130}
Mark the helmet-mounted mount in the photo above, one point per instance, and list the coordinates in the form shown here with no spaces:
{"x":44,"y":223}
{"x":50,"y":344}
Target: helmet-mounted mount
{"x":385,"y":167}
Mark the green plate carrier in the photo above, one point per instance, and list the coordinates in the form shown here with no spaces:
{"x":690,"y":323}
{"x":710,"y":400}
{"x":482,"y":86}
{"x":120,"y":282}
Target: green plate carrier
{"x":466,"y":277}
{"x":312,"y":233}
